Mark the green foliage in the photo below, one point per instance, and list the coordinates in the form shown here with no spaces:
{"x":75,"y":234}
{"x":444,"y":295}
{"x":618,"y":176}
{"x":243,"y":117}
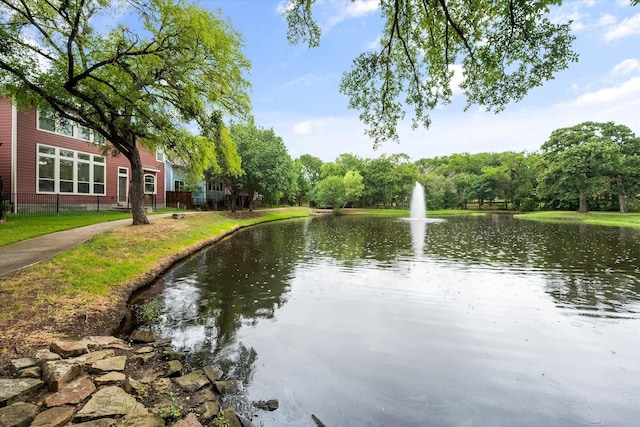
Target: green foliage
{"x":504,"y":48}
{"x":148,"y":313}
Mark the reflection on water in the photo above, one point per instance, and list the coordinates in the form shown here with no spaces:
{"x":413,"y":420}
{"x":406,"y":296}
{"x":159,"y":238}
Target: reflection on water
{"x":369,"y":321}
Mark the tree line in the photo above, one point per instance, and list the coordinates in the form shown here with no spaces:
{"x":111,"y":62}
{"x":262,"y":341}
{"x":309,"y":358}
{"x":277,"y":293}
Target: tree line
{"x":590,"y":166}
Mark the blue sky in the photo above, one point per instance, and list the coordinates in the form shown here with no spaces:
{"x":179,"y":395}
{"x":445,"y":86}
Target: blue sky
{"x":295,"y":88}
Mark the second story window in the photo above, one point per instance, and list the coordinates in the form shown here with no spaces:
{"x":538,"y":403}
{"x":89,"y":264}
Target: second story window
{"x":49,"y":121}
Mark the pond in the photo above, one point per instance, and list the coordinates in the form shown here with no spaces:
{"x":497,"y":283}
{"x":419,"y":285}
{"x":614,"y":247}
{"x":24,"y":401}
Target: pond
{"x":471,"y":321}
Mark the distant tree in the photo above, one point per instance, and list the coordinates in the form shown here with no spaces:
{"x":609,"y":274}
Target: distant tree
{"x":267,"y":166}
{"x":353,"y":187}
{"x":504,"y":48}
{"x":330,"y":192}
{"x":137,"y":89}
{"x":587,"y":160}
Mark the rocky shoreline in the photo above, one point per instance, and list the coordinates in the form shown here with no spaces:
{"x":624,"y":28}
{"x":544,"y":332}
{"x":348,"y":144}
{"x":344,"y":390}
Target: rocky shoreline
{"x":103,"y":381}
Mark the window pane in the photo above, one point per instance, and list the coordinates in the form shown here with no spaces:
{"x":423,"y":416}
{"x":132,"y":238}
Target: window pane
{"x":83,"y":156}
{"x":46,"y":150}
{"x":84,"y":133}
{"x":98,"y":173}
{"x":66,"y":153}
{"x":98,"y":159}
{"x":46,"y":167}
{"x":98,"y":188}
{"x":83,"y":187}
{"x":83,"y":172}
{"x":66,"y":170}
{"x":46,"y":185}
{"x":65,"y":127}
{"x":97,"y":138}
{"x":149,"y":184}
{"x":66,"y":186}
{"x":46,"y":120}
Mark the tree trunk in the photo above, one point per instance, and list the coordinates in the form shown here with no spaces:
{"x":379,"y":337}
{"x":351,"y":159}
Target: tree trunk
{"x":624,"y":208}
{"x":583,"y":204}
{"x":136,"y":189}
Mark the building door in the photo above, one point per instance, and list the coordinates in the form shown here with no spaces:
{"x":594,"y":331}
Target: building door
{"x":123,"y":185}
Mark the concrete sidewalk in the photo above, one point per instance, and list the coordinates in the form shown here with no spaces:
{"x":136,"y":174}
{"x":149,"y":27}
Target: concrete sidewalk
{"x":20,"y":255}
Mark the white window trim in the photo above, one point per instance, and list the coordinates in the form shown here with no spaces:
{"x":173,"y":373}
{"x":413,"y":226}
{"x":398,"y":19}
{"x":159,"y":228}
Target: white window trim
{"x":56,"y":179}
{"x":74,"y":132}
{"x":155,"y":183}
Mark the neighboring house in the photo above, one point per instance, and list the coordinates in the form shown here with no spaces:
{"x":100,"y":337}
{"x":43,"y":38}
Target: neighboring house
{"x":43,"y":154}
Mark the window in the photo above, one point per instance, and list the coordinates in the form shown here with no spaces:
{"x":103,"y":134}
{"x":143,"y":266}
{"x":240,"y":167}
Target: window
{"x":149,"y":184}
{"x":177,"y":185}
{"x":68,"y":171}
{"x":159,"y":155}
{"x":215,"y":186}
{"x":49,"y":121}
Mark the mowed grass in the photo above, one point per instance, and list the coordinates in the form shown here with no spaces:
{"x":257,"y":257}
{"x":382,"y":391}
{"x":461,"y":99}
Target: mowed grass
{"x":21,"y":228}
{"x":108,"y":265}
{"x":593,"y":218}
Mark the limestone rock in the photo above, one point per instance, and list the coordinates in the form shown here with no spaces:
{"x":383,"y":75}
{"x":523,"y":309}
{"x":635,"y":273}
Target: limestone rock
{"x":213,"y":373}
{"x":192,"y":381}
{"x":111,"y":364}
{"x":189,"y":421}
{"x":143,"y":358}
{"x":210,"y":409}
{"x":54,"y":417}
{"x":267,"y":405}
{"x":228,"y":387}
{"x":18,"y":415}
{"x":23,"y":363}
{"x":46,"y":355}
{"x":142,"y":336}
{"x":110,"y":402}
{"x":140,"y":420}
{"x":11,"y":390}
{"x":94,"y":356}
{"x":161,"y":385}
{"x":60,"y":372}
{"x":67,"y":348}
{"x":73,"y":393}
{"x":110,"y":378}
{"x":30,"y":372}
{"x":204,"y":395}
{"x":174,"y":368}
{"x":145,"y":349}
{"x":171,"y":354}
{"x":228,"y":419}
{"x":102,"y":422}
{"x":134,"y":387}
{"x":106,"y":341}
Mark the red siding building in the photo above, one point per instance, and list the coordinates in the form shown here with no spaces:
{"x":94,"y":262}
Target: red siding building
{"x":42,"y":154}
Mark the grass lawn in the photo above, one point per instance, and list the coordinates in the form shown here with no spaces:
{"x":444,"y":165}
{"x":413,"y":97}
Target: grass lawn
{"x":21,"y":228}
{"x":595,"y":218}
{"x":94,"y":280}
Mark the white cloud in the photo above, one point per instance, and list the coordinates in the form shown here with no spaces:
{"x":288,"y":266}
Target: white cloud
{"x":627,"y":27}
{"x":627,"y":66}
{"x":355,"y":9}
{"x":606,"y":20}
{"x":608,"y":95}
{"x":457,"y":79}
{"x":307,"y":127}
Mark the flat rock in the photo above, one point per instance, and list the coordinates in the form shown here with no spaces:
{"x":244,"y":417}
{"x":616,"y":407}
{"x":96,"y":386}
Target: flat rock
{"x":102,"y":422}
{"x":189,"y":421}
{"x":54,"y":417}
{"x":58,"y":373}
{"x":116,"y":363}
{"x":11,"y":390}
{"x":94,"y":356}
{"x":228,"y":387}
{"x":161,"y":385}
{"x":171,"y":354}
{"x":109,"y":402}
{"x":71,"y":394}
{"x":23,"y":363}
{"x":30,"y":372}
{"x":210,"y":409}
{"x":174,"y":368}
{"x":140,"y":420}
{"x":142,"y":336}
{"x":228,"y":419}
{"x":145,"y":349}
{"x":46,"y":355}
{"x":213,"y":373}
{"x":18,"y":415}
{"x":135,"y":387}
{"x":192,"y":381}
{"x":143,"y":358}
{"x":110,"y":378}
{"x":67,"y":348}
{"x":106,"y":341}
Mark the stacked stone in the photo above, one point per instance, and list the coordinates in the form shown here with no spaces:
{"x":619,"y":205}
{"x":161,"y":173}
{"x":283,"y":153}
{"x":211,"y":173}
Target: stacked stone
{"x":105,"y":381}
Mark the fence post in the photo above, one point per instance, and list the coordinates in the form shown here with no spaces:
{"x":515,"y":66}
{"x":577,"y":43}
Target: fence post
{"x":57,"y":204}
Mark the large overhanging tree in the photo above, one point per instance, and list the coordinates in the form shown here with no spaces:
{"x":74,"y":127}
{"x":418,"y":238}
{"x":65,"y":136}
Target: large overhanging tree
{"x":146,"y":86}
{"x":504,"y":48}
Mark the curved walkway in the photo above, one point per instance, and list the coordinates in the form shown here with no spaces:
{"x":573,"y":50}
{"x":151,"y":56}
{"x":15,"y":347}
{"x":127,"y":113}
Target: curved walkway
{"x":23,"y":254}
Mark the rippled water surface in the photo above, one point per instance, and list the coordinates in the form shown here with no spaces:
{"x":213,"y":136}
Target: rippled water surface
{"x":483,"y":321}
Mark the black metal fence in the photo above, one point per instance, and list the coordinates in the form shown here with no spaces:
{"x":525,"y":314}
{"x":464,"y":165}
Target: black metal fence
{"x":26,"y":204}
